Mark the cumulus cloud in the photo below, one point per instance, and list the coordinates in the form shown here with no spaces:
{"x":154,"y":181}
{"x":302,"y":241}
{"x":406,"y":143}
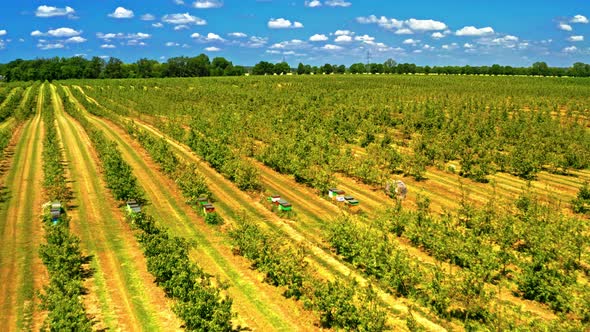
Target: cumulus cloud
{"x":237,"y":34}
{"x":214,"y":37}
{"x":59,"y":33}
{"x":181,"y":27}
{"x":212,"y":49}
{"x":425,"y":25}
{"x":365,"y":39}
{"x":468,"y":46}
{"x":565,"y":27}
{"x":330,"y":47}
{"x":50,"y":11}
{"x":473,"y":31}
{"x":282,"y":23}
{"x":403,"y":27}
{"x":50,"y":46}
{"x":410,"y":41}
{"x":343,"y":39}
{"x":196,"y":35}
{"x":172,"y":44}
{"x":343,"y":33}
{"x":157,"y":25}
{"x":570,"y":49}
{"x":120,"y":35}
{"x":148,"y":17}
{"x":579,"y":19}
{"x":76,"y":39}
{"x":206,"y":4}
{"x":318,"y":38}
{"x":290,"y":44}
{"x":107,"y":46}
{"x":255,"y":42}
{"x":185,"y":18}
{"x":121,"y":12}
{"x":3,"y":32}
{"x":437,"y":35}
{"x":576,"y":38}
{"x":404,"y":31}
{"x":337,"y":3}
{"x":312,"y":4}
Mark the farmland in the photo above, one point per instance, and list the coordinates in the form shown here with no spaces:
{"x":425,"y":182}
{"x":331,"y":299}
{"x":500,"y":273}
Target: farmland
{"x":493,"y":235}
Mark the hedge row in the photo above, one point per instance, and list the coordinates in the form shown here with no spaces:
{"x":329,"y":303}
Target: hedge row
{"x":61,"y":253}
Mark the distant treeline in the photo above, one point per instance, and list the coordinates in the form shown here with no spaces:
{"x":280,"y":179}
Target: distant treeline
{"x":79,"y":67}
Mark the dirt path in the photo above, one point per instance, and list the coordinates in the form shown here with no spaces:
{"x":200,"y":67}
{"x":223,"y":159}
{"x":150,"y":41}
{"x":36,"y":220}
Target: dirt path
{"x":259,"y":305}
{"x":236,"y":200}
{"x":21,"y":271}
{"x":125,"y":297}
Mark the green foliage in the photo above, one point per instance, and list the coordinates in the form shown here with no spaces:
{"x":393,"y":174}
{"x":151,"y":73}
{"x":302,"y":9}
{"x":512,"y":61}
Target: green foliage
{"x":199,"y":303}
{"x":340,"y":304}
{"x":582,"y":202}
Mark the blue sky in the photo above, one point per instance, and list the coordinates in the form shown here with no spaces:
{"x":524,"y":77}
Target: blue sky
{"x":458,"y":32}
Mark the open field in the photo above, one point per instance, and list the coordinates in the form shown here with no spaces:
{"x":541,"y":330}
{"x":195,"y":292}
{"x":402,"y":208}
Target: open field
{"x":485,"y":239}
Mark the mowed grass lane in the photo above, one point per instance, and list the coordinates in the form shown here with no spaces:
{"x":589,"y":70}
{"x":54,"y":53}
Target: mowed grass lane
{"x":123,"y":295}
{"x":21,"y":271}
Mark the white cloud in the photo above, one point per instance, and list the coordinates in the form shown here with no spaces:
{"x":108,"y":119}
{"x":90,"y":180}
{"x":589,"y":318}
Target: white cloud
{"x":290,"y":44}
{"x":186,"y":18}
{"x":337,"y":3}
{"x":576,"y":38}
{"x":570,"y":49}
{"x":50,"y":46}
{"x":255,"y":42}
{"x":428,"y":47}
{"x":565,"y":27}
{"x":172,"y":44}
{"x":212,"y":49}
{"x":63,"y":32}
{"x":135,"y":42}
{"x":318,"y":38}
{"x":237,"y":34}
{"x":384,"y":22}
{"x":76,"y":39}
{"x":579,"y":19}
{"x":282,"y":23}
{"x":343,"y":39}
{"x":206,"y":4}
{"x":330,"y":47}
{"x":404,"y":31}
{"x":121,"y":12}
{"x":365,"y":39}
{"x":437,"y":35}
{"x":425,"y":25}
{"x":343,"y":33}
{"x":3,"y":32}
{"x":467,"y":45}
{"x":148,"y":17}
{"x":312,"y":4}
{"x":107,"y":46}
{"x":410,"y":41}
{"x":179,"y":2}
{"x":60,"y":32}
{"x":214,"y":37}
{"x":49,"y":11}
{"x":120,"y":35}
{"x":449,"y":47}
{"x":180,"y":27}
{"x":473,"y":31}
{"x":157,"y":25}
